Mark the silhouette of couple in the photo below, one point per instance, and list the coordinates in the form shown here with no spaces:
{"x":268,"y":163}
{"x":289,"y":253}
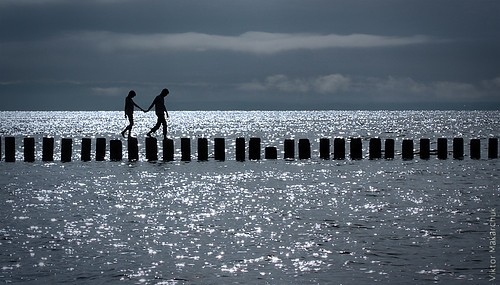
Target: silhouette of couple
{"x":160,"y":110}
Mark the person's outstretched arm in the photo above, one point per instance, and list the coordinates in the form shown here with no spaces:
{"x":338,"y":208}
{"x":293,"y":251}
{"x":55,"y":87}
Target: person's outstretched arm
{"x":152,"y":104}
{"x":138,"y":106}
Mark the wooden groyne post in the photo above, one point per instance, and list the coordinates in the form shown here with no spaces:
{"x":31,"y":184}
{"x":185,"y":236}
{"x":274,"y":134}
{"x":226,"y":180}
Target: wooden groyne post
{"x":219,"y":149}
{"x":442,"y":148}
{"x":168,"y":150}
{"x":475,"y":149}
{"x":254,"y":149}
{"x":151,"y":149}
{"x":10,"y":149}
{"x":458,"y":148}
{"x":407,"y":152}
{"x":29,"y":149}
{"x":202,"y":149}
{"x":86,"y":149}
{"x":133,"y":149}
{"x":339,"y":149}
{"x":66,"y":149}
{"x":270,"y":152}
{"x":185,"y":149}
{"x":375,"y":146}
{"x":304,"y":149}
{"x":389,"y":149}
{"x":48,"y":149}
{"x":356,"y":148}
{"x":115,"y":150}
{"x":492,"y":148}
{"x":100,"y":149}
{"x":289,"y":146}
{"x":425,"y":149}
{"x":324,"y":148}
{"x":240,"y":149}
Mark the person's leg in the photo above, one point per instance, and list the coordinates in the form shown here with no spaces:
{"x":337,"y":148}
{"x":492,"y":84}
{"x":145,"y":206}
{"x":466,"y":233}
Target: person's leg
{"x":164,"y":123}
{"x":156,"y":127}
{"x":130,"y":125}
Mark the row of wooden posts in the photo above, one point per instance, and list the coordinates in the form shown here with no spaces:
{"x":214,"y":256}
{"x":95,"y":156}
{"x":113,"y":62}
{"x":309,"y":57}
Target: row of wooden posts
{"x":254,"y":149}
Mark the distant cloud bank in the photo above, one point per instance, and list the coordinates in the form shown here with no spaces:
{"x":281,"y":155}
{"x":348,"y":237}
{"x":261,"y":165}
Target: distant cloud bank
{"x":385,"y":89}
{"x":249,"y":42}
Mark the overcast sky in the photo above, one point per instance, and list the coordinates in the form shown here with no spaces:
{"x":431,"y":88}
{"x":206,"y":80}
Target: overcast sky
{"x":255,"y":54}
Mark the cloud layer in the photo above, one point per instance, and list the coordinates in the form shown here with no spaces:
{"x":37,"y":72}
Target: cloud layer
{"x":384,"y":89}
{"x":249,"y":42}
{"x":331,"y":83}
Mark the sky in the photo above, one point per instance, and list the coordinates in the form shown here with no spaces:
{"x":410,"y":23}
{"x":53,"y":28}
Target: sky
{"x":250,"y":54}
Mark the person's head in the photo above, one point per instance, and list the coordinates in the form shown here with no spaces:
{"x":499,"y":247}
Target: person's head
{"x":131,"y":94}
{"x":164,"y":92}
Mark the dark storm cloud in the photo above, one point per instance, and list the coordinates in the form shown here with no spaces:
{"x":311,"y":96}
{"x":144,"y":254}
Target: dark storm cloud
{"x":223,"y":54}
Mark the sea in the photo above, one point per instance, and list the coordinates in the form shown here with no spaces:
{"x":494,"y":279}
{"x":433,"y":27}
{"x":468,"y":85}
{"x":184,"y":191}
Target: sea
{"x":311,"y":221}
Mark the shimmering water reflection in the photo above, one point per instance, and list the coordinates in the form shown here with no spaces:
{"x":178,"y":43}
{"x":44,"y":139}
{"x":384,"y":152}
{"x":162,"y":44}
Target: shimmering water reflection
{"x":276,"y":222}
{"x":265,"y":222}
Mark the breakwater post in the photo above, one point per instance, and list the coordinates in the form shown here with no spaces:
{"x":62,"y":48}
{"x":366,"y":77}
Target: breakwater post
{"x":29,"y":149}
{"x":442,"y":148}
{"x":254,"y":149}
{"x":132,"y":149}
{"x":304,"y":149}
{"x":458,"y":148}
{"x":185,"y":149}
{"x":475,"y":149}
{"x":151,"y":149}
{"x":324,"y":148}
{"x":339,"y":149}
{"x":86,"y":149}
{"x":389,"y":149}
{"x":10,"y":149}
{"x":289,"y":146}
{"x":115,"y":150}
{"x":240,"y":149}
{"x":168,"y":150}
{"x":100,"y":149}
{"x":492,"y":148}
{"x":48,"y":149}
{"x":407,"y":152}
{"x":202,"y":149}
{"x":270,"y":152}
{"x":375,"y":148}
{"x":425,"y":149}
{"x":219,"y":149}
{"x":356,"y":149}
{"x":66,"y":149}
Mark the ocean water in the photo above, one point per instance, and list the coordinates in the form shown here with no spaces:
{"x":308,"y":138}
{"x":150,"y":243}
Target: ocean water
{"x":254,"y":222}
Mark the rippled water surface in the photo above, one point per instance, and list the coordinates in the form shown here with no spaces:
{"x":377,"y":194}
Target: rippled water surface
{"x":253,"y":222}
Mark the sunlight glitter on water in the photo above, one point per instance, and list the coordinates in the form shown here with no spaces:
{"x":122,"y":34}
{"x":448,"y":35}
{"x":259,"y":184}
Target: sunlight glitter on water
{"x":308,"y":221}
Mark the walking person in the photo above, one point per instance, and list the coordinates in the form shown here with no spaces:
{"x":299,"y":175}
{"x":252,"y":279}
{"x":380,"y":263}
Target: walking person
{"x":160,"y":111}
{"x":129,"y":112}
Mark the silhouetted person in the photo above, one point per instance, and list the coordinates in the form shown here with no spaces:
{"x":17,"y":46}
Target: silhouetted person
{"x":160,"y":110}
{"x":129,"y":112}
